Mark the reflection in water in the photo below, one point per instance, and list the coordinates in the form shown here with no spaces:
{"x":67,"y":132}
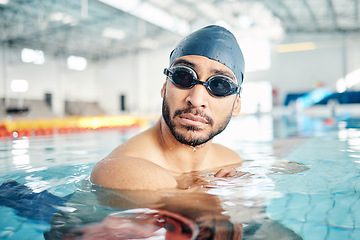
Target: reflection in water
{"x":225,"y":208}
{"x":21,"y":143}
{"x":21,"y":161}
{"x":20,"y":156}
{"x":139,"y":224}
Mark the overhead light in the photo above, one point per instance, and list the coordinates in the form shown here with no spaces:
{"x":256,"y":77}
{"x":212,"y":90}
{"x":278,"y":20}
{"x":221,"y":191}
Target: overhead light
{"x":113,"y":33}
{"x":152,"y":14}
{"x":293,"y":47}
{"x":3,"y":2}
{"x":126,"y":6}
{"x":32,"y":56}
{"x":62,"y":17}
{"x":19,"y":85}
{"x":76,"y":63}
{"x":56,"y":16}
{"x":245,"y":21}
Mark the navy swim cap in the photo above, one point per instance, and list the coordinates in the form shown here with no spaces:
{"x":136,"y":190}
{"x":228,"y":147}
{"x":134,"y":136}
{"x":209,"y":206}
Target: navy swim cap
{"x":216,"y":43}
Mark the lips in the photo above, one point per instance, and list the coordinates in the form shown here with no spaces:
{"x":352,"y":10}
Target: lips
{"x":191,"y":119}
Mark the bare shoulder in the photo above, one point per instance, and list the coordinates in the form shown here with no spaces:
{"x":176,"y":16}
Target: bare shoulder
{"x":144,"y":146}
{"x":225,"y":156}
{"x":135,"y":164}
{"x":131,"y":173}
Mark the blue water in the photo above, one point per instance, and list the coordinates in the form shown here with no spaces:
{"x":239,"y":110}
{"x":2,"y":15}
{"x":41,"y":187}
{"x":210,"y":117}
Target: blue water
{"x":302,"y":172}
{"x":323,"y":202}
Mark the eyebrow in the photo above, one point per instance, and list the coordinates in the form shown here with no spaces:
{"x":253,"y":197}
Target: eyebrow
{"x":226,"y":73}
{"x":184,"y":62}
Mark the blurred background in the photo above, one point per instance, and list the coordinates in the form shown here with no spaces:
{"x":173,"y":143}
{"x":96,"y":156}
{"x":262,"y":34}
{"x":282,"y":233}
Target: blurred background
{"x":106,"y":57}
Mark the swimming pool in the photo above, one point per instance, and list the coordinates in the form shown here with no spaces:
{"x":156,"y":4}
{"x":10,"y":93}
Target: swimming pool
{"x":302,"y":181}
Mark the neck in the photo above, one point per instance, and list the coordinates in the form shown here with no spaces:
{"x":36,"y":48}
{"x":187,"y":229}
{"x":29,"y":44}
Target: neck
{"x":179,"y":156}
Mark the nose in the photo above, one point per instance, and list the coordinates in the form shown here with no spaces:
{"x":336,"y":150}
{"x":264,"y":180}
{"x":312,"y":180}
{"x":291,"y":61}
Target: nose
{"x":198,"y":96}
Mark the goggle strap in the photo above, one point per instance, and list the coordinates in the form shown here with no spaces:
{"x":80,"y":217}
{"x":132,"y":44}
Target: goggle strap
{"x":167,"y":72}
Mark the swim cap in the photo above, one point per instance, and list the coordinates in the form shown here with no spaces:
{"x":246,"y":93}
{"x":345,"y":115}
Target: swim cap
{"x":216,"y":43}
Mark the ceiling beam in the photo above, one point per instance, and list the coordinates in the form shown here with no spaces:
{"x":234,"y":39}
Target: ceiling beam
{"x":311,"y":13}
{"x":332,"y":15}
{"x":282,"y":12}
{"x":288,"y":13}
{"x":356,"y":11}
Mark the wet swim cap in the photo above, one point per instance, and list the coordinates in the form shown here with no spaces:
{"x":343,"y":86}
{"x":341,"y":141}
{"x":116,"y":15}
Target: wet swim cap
{"x":216,"y":43}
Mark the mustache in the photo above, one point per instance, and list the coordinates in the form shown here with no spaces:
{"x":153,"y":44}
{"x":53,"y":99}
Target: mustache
{"x":195,"y":112}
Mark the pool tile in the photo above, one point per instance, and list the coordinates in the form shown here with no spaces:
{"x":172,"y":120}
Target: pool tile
{"x":339,"y":233}
{"x":341,"y":214}
{"x":314,"y":231}
{"x":355,"y":234}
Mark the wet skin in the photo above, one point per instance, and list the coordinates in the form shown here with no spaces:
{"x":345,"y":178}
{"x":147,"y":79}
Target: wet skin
{"x":156,"y":158}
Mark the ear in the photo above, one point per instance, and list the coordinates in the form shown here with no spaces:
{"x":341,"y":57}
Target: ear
{"x":163,"y":90}
{"x":237,"y":106}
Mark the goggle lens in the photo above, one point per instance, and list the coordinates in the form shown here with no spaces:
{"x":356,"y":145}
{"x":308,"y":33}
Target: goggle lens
{"x":185,"y":78}
{"x":220,"y":87}
{"x":182,"y":78}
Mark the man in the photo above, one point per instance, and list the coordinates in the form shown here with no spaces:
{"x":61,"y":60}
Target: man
{"x":200,"y":95}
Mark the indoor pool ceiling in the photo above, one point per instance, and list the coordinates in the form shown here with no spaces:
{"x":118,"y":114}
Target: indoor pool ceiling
{"x":102,"y":29}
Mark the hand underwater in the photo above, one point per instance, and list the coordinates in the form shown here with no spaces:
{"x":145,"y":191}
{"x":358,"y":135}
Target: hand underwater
{"x":195,"y":179}
{"x":229,"y":172}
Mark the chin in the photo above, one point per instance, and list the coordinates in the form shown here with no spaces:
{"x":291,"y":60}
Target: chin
{"x":192,"y":137}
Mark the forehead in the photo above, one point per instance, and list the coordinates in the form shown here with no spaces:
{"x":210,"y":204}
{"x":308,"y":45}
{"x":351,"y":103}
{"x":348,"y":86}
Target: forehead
{"x":201,"y":64}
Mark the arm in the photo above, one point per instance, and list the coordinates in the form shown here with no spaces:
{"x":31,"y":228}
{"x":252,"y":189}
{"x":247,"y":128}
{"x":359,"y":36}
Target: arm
{"x":131,"y":173}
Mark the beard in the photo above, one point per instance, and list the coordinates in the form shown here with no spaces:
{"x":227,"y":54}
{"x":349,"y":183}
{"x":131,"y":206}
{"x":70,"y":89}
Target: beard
{"x":191,"y":140}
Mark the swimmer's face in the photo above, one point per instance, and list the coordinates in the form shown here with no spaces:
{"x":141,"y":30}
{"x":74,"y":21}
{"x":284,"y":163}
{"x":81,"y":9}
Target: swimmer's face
{"x":193,"y":115}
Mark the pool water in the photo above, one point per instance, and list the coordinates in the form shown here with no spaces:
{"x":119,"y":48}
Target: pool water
{"x":302,"y":181}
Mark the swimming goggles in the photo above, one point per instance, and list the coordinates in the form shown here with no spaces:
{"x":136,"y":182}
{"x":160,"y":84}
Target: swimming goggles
{"x":217,"y":86}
